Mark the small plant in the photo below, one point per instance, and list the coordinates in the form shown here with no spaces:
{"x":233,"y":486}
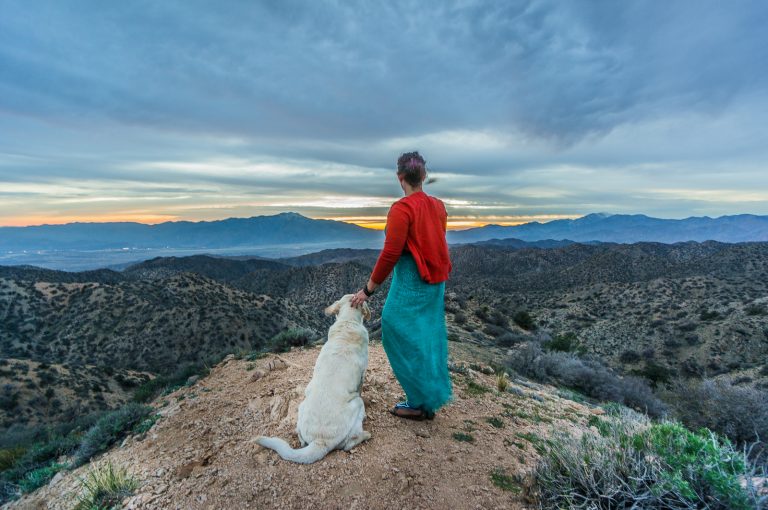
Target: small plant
{"x":143,"y":426}
{"x":502,"y":382}
{"x":537,"y":442}
{"x":503,"y":481}
{"x":463,"y":437}
{"x":255,"y":355}
{"x":496,"y":422}
{"x":105,"y":488}
{"x":516,"y":444}
{"x":475,"y":389}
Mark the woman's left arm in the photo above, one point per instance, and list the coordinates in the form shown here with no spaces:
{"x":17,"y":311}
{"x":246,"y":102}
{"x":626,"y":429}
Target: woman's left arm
{"x":396,"y":236}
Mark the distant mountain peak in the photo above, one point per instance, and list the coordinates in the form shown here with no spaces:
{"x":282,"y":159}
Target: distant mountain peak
{"x":596,"y":216}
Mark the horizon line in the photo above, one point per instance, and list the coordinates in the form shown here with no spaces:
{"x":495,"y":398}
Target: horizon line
{"x":372,"y":222}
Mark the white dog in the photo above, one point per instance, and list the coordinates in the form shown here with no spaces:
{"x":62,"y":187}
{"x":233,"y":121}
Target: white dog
{"x":331,"y":415}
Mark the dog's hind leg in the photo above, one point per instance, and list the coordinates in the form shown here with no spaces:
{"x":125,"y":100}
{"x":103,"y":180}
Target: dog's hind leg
{"x":355,"y":440}
{"x":357,"y":434}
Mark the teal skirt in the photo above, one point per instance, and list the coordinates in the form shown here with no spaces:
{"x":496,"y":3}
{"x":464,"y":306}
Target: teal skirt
{"x":414,"y":336}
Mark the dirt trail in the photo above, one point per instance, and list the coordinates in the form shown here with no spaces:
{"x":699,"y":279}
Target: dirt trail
{"x":200,"y":454}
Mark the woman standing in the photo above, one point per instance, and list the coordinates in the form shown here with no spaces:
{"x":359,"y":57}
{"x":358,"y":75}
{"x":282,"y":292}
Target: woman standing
{"x":413,"y":319}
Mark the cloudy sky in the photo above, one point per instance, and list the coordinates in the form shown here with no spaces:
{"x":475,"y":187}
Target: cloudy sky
{"x":191,"y":110}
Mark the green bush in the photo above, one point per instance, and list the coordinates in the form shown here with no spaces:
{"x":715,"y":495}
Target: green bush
{"x":631,"y":460}
{"x":38,"y":477}
{"x":655,"y":373}
{"x":108,"y":430}
{"x":294,"y":337}
{"x":524,"y":320}
{"x":567,"y":342}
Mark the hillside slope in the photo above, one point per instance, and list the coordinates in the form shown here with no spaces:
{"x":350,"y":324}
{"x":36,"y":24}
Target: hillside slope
{"x":200,"y":453}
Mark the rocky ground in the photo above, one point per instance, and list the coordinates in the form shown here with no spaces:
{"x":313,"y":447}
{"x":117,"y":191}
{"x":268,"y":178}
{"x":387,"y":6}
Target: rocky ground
{"x":200,"y":453}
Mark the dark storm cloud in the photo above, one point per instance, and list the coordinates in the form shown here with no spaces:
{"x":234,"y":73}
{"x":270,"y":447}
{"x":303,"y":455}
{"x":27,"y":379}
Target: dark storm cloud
{"x":377,"y":69}
{"x":519,"y":106}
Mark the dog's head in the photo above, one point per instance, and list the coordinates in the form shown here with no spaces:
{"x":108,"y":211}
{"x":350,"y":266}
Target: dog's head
{"x":342,"y":305}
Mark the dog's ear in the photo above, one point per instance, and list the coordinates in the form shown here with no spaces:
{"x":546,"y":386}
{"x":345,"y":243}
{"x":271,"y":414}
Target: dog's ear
{"x":366,"y":312}
{"x":334,"y":308}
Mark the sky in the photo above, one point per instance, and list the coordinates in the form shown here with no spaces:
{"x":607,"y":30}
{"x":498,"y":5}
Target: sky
{"x":524,"y":110}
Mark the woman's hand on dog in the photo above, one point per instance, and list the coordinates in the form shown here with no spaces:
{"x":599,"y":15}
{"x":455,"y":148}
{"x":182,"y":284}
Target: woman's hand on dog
{"x":358,"y":299}
{"x":361,"y":297}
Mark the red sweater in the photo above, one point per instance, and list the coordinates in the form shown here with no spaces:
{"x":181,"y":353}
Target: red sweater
{"x":416,"y":223}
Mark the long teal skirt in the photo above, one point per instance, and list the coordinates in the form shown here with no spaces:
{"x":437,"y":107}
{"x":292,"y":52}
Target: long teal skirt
{"x":414,"y":336}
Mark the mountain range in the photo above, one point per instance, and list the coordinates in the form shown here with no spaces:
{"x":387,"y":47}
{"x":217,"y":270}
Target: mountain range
{"x":294,"y":231}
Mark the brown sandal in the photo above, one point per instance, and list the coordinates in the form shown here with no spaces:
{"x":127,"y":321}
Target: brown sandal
{"x":422,"y":414}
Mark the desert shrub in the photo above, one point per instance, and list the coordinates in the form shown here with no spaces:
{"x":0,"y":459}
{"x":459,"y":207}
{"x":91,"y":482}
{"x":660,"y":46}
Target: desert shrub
{"x":709,"y":315}
{"x":631,"y":461}
{"x":567,"y":342}
{"x":508,"y":339}
{"x":459,"y":317}
{"x":111,"y":427}
{"x":587,"y":376}
{"x":493,"y":330}
{"x":498,"y":318}
{"x":144,"y":425}
{"x":756,"y":310}
{"x":105,"y":487}
{"x":524,"y":320}
{"x":740,"y":413}
{"x":655,"y":373}
{"x":36,"y":466}
{"x":691,"y":367}
{"x":692,"y":339}
{"x":9,"y":398}
{"x":686,"y":326}
{"x":629,"y":356}
{"x":294,"y":337}
{"x":164,"y":383}
{"x":36,"y":478}
{"x":9,"y":457}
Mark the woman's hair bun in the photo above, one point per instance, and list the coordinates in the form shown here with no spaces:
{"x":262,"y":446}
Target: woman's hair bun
{"x":413,"y":168}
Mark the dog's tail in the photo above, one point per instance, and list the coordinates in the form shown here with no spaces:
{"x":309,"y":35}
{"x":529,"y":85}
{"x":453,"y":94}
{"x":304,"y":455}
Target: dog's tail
{"x":313,"y":452}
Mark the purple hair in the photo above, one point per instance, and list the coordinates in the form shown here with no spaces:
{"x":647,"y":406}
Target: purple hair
{"x":413,"y":168}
